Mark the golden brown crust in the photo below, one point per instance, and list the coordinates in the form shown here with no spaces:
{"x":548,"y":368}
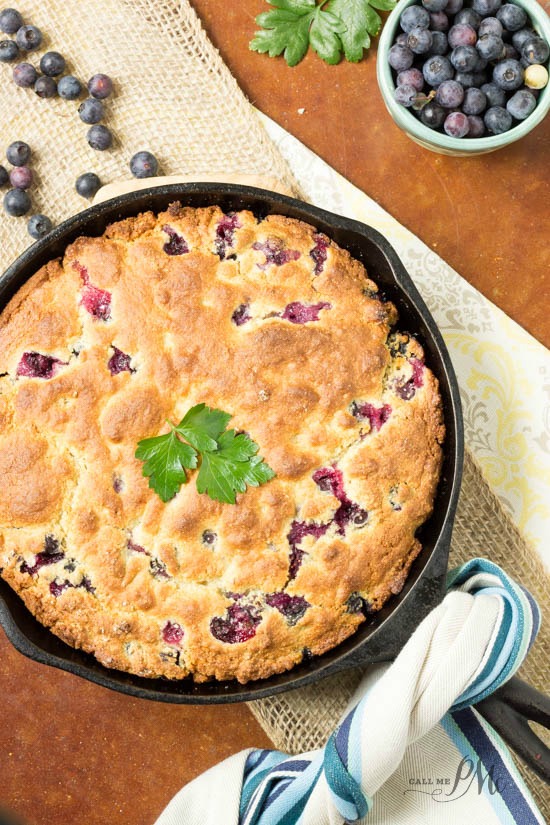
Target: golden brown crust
{"x":344,"y":410}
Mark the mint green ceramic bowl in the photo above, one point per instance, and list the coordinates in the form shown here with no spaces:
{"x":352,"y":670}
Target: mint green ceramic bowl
{"x":438,"y":141}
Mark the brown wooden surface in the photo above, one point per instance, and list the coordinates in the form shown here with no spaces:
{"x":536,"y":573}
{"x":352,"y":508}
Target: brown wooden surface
{"x":72,"y":752}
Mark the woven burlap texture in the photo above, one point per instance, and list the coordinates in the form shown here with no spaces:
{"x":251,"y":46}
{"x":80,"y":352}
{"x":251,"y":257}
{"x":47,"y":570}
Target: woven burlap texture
{"x":175,"y":97}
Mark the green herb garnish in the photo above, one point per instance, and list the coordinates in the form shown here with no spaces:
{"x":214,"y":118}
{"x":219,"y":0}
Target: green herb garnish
{"x":333,"y":28}
{"x":228,"y":460}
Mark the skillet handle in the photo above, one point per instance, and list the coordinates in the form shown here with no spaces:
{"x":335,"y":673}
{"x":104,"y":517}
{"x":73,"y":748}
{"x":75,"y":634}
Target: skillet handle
{"x":508,"y":710}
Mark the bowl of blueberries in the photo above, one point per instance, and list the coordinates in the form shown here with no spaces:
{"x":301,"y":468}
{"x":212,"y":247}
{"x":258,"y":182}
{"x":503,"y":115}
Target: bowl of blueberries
{"x":465,"y":77}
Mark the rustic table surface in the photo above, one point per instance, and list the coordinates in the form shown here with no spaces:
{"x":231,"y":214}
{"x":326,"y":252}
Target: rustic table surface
{"x":71,"y":751}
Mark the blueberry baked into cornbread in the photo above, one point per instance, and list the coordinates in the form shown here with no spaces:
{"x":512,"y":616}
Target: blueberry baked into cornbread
{"x":271,"y":322}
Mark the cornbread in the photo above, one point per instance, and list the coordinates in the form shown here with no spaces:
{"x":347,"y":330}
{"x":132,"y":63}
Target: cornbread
{"x":270,"y":321}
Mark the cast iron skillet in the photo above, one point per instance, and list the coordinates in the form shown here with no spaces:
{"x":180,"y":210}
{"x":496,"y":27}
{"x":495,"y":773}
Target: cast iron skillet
{"x":381,"y":637}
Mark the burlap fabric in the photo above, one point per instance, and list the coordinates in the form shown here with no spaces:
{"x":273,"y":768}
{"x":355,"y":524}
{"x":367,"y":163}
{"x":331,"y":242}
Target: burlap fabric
{"x":175,"y":97}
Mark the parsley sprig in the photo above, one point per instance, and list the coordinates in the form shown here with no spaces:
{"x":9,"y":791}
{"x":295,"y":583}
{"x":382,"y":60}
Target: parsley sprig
{"x":331,"y":28}
{"x":228,"y":460}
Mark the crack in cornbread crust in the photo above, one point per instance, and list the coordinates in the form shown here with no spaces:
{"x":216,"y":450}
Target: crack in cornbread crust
{"x":132,"y":566}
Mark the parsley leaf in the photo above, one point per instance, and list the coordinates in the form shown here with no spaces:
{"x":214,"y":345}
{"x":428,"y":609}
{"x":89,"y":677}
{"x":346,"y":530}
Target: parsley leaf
{"x":343,"y":25}
{"x":229,"y":460}
{"x":166,"y":459}
{"x":234,"y":465}
{"x":201,"y":426}
{"x":285,"y":29}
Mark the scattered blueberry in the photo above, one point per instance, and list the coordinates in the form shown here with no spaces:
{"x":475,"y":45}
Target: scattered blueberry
{"x":497,"y":120}
{"x":535,"y":50}
{"x":28,"y":38}
{"x":291,"y":607}
{"x":16,"y":203}
{"x":99,"y":137}
{"x":209,"y":538}
{"x":100,"y":86}
{"x":521,"y":104}
{"x":4,"y":177}
{"x":87,"y":184}
{"x":45,"y":87}
{"x":119,"y":362}
{"x":176,"y":245}
{"x":239,"y":625}
{"x":24,"y":75}
{"x":52,"y":64}
{"x":21,"y":177}
{"x":241,"y":315}
{"x":38,"y":226}
{"x":10,"y":21}
{"x":144,"y":165}
{"x":512,"y":17}
{"x":8,"y":51}
{"x":69,"y":87}
{"x":91,"y":110}
{"x":508,"y":75}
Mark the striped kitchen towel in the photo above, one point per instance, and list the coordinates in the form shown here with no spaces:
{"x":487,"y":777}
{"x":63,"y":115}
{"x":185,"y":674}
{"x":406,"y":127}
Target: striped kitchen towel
{"x":410,"y":749}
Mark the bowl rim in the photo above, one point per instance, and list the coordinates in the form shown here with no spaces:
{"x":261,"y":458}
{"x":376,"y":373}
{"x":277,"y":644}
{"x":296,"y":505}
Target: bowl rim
{"x":423,"y":134}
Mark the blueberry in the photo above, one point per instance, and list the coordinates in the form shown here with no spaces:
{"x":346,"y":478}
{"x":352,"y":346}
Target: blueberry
{"x":535,"y":50}
{"x":474,"y":102}
{"x":4,"y":177}
{"x":495,"y":96}
{"x":433,"y":115}
{"x":497,"y":120}
{"x":87,"y":184}
{"x":468,"y":16}
{"x":400,"y":57}
{"x":16,"y":203}
{"x":405,"y":95}
{"x":508,"y":75}
{"x":486,"y":7}
{"x":535,"y":76}
{"x":476,"y":126}
{"x":21,"y":177}
{"x":419,"y":40}
{"x":512,"y":17}
{"x":8,"y":51}
{"x":520,"y":38}
{"x":510,"y":52}
{"x":414,"y":17}
{"x":24,"y":75}
{"x":439,"y":22}
{"x":464,"y":58}
{"x":462,"y":35}
{"x":437,"y":69}
{"x":521,"y":104}
{"x":69,"y":87}
{"x":45,"y":87}
{"x":440,"y":43}
{"x":469,"y":79}
{"x":38,"y":226}
{"x":91,"y":110}
{"x":100,"y":86}
{"x":434,"y":5}
{"x":453,"y":6}
{"x":456,"y":125}
{"x":144,"y":165}
{"x":99,"y":137}
{"x":411,"y":77}
{"x":490,"y":25}
{"x":401,"y":39}
{"x":18,"y":153}
{"x":52,"y":64}
{"x":490,"y":46}
{"x":28,"y":38}
{"x":450,"y":94}
{"x":10,"y":21}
